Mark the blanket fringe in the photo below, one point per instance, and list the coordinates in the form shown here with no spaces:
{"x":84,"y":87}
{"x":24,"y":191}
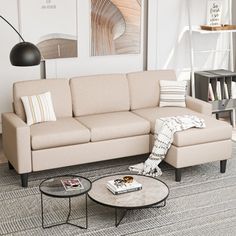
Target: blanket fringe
{"x":164,"y":131}
{"x":151,"y":168}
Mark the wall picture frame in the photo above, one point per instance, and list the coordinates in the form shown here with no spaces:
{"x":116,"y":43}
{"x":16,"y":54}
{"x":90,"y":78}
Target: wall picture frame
{"x":115,"y":27}
{"x":51,"y":25}
{"x":214,"y":12}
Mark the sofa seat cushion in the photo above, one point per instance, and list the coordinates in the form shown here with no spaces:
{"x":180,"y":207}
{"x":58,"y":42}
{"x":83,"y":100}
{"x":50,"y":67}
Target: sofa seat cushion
{"x":64,"y":131}
{"x":215,"y":130}
{"x":115,"y":125}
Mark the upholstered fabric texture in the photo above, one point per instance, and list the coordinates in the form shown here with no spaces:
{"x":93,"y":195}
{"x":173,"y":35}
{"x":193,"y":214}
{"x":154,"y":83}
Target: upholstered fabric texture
{"x":16,"y":142}
{"x":199,"y":105}
{"x":215,"y":130}
{"x":115,"y":125}
{"x":89,"y":152}
{"x":38,"y":108}
{"x":99,"y":94}
{"x":64,"y":131}
{"x":59,"y":89}
{"x":144,"y":87}
{"x":197,"y":154}
{"x":103,"y":127}
{"x":172,"y":93}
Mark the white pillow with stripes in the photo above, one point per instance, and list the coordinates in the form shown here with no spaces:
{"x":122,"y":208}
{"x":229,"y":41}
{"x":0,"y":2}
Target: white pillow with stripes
{"x":172,"y":93}
{"x":38,"y":108}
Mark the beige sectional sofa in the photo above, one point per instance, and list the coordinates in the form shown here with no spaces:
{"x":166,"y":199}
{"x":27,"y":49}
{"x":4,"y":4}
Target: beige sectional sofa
{"x":104,"y":117}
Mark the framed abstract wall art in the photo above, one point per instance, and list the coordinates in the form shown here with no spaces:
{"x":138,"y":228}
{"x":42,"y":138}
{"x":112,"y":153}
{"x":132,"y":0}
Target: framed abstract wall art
{"x":115,"y":27}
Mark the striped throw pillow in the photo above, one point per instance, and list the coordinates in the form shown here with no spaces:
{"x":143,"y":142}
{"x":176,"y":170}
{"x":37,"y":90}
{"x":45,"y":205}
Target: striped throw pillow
{"x":172,"y":93}
{"x":38,"y":108}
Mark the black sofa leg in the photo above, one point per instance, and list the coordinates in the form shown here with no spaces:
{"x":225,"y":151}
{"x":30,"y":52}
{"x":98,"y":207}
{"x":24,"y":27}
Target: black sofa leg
{"x":178,"y":174}
{"x":10,"y":166}
{"x":24,"y":180}
{"x":223,"y":166}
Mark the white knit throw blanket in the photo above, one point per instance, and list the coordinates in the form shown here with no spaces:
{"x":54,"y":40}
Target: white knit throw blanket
{"x":164,"y":132}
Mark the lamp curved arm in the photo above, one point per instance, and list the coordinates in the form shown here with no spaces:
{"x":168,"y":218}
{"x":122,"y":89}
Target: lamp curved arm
{"x":12,"y":27}
{"x":25,"y":53}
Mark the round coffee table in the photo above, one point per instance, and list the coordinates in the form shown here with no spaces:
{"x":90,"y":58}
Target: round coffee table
{"x":53,"y":187}
{"x":153,"y":193}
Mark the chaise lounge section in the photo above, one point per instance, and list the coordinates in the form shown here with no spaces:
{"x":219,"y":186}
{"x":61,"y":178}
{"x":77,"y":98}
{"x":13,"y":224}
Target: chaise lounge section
{"x":105,"y":117}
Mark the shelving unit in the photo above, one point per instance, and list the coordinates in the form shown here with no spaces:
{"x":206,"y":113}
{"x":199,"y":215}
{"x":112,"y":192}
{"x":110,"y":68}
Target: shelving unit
{"x":199,"y":30}
{"x":226,"y":102}
{"x":196,"y":29}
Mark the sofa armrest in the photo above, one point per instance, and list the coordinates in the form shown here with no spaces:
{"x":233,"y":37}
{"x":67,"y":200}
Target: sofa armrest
{"x":199,"y":105}
{"x":16,"y":142}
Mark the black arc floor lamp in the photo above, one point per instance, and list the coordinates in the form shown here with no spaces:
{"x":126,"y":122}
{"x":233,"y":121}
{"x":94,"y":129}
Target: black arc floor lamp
{"x":25,"y":53}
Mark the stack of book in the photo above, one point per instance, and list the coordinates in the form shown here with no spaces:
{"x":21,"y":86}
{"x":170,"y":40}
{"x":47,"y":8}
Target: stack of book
{"x":123,"y":188}
{"x":217,"y":94}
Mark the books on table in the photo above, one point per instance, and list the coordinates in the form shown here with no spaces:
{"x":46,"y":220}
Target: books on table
{"x":124,"y":188}
{"x":72,"y":184}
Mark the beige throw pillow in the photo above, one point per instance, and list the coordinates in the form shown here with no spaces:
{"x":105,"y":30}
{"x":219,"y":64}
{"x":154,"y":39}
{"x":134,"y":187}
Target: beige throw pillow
{"x":38,"y":108}
{"x":172,"y":93}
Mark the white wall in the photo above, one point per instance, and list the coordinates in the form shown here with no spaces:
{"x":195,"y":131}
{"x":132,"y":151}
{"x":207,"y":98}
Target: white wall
{"x":234,"y":22}
{"x":60,"y":68}
{"x":168,"y":44}
{"x":8,"y":73}
{"x":85,"y":64}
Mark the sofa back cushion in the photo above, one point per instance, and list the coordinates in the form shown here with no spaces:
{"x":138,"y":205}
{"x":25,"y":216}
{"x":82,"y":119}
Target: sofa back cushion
{"x":59,"y":89}
{"x":144,"y":87}
{"x":99,"y":94}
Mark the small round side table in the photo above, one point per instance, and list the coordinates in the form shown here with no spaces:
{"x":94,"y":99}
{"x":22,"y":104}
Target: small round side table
{"x":53,"y":187}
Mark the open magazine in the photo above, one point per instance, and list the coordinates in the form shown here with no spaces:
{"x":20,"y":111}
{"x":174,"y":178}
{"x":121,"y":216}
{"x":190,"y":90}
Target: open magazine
{"x":72,"y":184}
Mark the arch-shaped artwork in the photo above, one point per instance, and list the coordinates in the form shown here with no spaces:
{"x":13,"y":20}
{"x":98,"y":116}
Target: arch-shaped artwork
{"x":116,"y":27}
{"x":48,"y":25}
{"x":57,"y":45}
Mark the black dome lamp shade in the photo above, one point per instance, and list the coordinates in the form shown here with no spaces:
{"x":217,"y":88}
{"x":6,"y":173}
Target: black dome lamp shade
{"x":23,"y":53}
